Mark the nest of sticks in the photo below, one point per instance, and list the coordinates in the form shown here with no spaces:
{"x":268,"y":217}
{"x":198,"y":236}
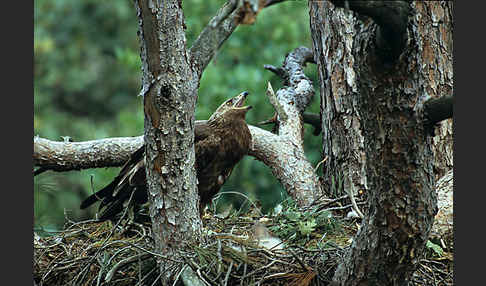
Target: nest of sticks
{"x":294,"y":247}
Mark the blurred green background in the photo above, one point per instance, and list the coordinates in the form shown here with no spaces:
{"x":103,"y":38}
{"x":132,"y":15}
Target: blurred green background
{"x":87,"y":77}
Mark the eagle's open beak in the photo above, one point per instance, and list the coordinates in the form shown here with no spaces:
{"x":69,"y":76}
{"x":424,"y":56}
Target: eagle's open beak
{"x":241,"y":100}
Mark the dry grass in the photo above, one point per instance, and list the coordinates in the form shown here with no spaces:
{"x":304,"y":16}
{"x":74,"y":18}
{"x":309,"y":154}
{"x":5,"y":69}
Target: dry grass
{"x":94,"y":253}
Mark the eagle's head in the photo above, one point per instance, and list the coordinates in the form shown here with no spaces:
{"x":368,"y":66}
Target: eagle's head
{"x":231,"y":109}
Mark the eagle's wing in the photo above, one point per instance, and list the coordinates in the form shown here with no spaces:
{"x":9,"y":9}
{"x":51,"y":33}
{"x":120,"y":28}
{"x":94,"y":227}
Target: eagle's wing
{"x":201,"y":130}
{"x":131,"y":178}
{"x":206,"y":152}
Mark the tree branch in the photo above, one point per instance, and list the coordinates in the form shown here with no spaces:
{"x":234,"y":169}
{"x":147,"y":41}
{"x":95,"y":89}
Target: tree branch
{"x":219,"y":28}
{"x":284,"y":152}
{"x":392,"y":19}
{"x":67,"y":156}
{"x":211,"y":38}
{"x":275,"y":103}
{"x":438,"y":109}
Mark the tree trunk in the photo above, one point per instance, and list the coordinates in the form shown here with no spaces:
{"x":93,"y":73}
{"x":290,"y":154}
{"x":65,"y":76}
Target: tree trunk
{"x":169,"y":87}
{"x":373,"y":86}
{"x":341,"y":128}
{"x":443,"y":146}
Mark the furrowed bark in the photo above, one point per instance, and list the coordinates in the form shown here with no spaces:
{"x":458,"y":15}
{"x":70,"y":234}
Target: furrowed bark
{"x":392,"y":19}
{"x":398,"y":147}
{"x":342,"y":138}
{"x":169,"y":87}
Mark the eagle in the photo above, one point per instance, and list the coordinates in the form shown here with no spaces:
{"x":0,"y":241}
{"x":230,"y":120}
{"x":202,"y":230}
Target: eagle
{"x":220,"y":143}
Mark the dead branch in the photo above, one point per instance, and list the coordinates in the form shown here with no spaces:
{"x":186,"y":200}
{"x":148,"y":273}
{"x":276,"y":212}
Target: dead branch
{"x":284,"y":152}
{"x":67,"y":156}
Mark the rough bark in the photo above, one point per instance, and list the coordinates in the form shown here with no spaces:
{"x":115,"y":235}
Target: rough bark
{"x":333,"y":39}
{"x":387,"y":100}
{"x":391,"y":17}
{"x":169,"y":87}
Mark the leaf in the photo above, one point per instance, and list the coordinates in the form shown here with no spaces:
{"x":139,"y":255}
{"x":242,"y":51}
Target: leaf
{"x":293,"y":216}
{"x":436,"y":248}
{"x":307,"y":227}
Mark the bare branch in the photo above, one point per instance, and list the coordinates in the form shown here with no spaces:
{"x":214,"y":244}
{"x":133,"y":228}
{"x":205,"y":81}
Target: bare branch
{"x":392,"y":19}
{"x":211,"y":38}
{"x":226,"y":10}
{"x":274,"y":102}
{"x":67,"y":156}
{"x":280,"y":72}
{"x":219,"y":28}
{"x":284,"y":152}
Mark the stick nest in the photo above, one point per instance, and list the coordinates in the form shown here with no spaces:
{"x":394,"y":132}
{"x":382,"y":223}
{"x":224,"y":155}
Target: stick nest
{"x":294,"y":247}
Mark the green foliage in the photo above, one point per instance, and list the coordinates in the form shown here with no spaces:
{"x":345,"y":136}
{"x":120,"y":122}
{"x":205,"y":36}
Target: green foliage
{"x":300,"y":227}
{"x":435,"y":247}
{"x":87,"y":77}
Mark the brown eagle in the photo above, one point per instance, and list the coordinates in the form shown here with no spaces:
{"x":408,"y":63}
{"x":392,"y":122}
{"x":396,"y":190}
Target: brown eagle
{"x":220,"y":143}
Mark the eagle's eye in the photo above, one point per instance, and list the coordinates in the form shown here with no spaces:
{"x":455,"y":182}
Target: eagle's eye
{"x":229,"y":102}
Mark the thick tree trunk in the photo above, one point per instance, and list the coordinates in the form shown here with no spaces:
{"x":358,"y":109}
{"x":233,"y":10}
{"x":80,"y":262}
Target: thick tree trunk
{"x":169,"y":87}
{"x":382,"y":96}
{"x":171,"y":74}
{"x":341,"y":131}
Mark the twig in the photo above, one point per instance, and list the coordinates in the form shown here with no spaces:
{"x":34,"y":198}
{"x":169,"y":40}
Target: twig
{"x":225,"y":12}
{"x":228,"y":273}
{"x":244,"y":266}
{"x":220,"y":257}
{"x":106,"y":239}
{"x":124,"y":262}
{"x":301,"y":263}
{"x":280,"y":72}
{"x":343,"y":208}
{"x":147,"y":275}
{"x":276,"y":104}
{"x":237,"y":193}
{"x":353,"y":202}
{"x":319,"y":164}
